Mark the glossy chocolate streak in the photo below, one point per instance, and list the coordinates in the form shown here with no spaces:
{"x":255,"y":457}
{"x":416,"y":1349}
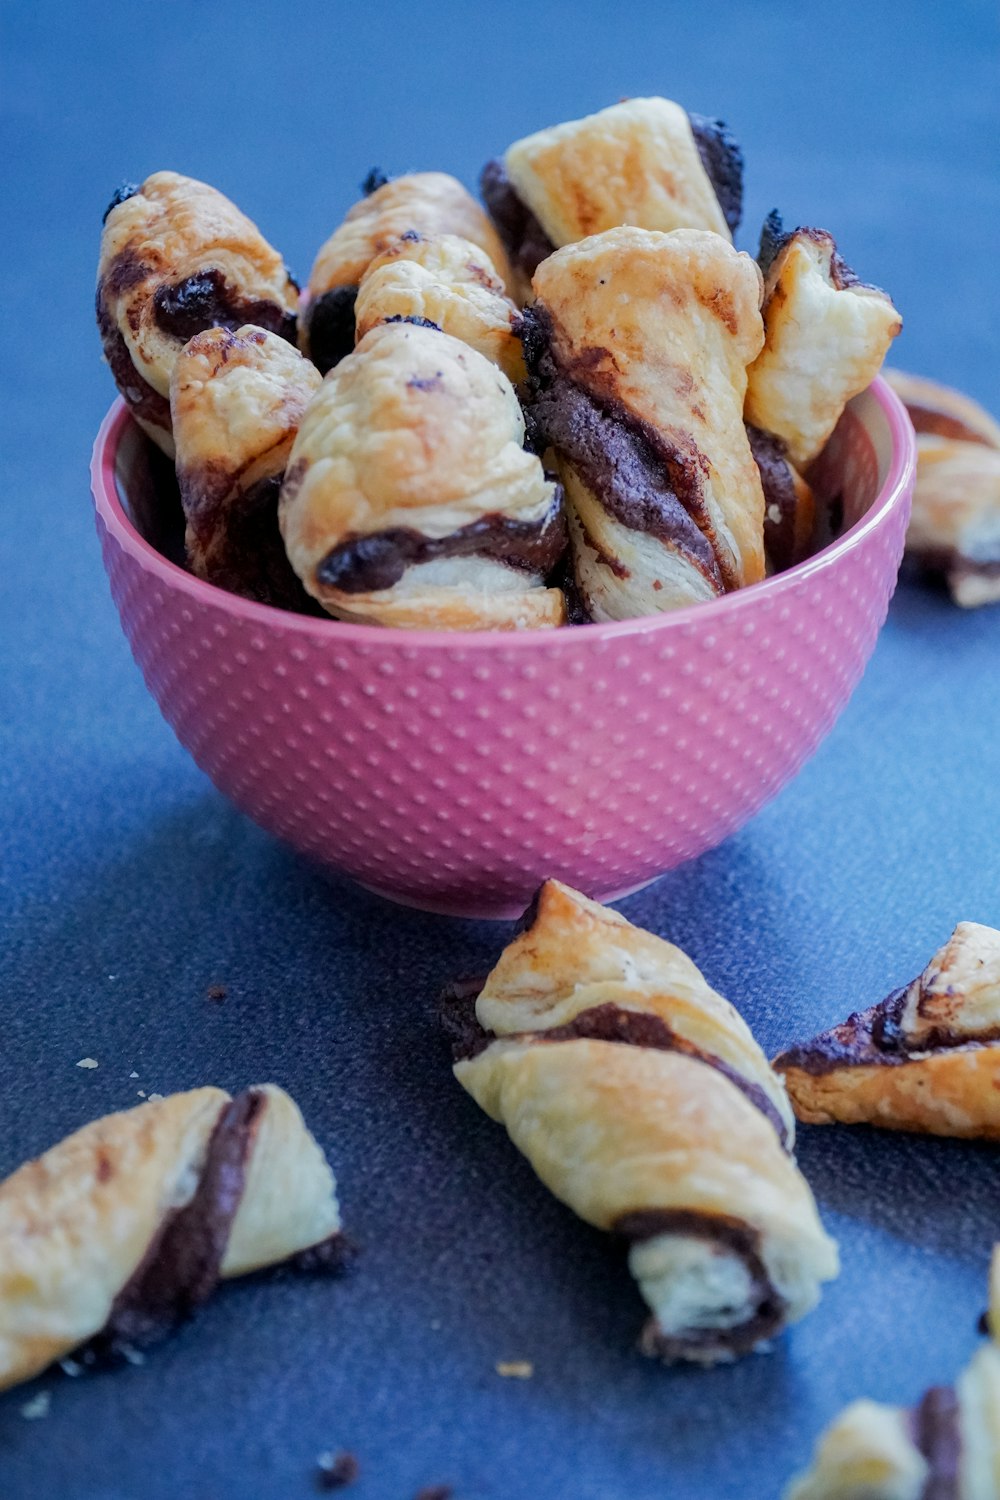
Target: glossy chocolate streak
{"x":723,"y":162}
{"x":368,"y":564}
{"x":524,"y":239}
{"x":206,"y":300}
{"x":732,"y":1235}
{"x":779,"y":495}
{"x":934,"y":1424}
{"x":234,"y":542}
{"x":142,"y":399}
{"x":330,"y":323}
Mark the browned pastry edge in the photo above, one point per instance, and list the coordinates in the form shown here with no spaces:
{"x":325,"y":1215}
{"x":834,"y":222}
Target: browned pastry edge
{"x":143,"y":401}
{"x":774,"y":237}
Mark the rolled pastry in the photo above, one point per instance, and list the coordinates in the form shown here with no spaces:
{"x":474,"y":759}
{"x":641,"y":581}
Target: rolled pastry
{"x":926,"y":1058}
{"x":449,"y":283}
{"x":428,"y":203}
{"x":827,"y":334}
{"x":643,"y":1102}
{"x":236,"y":401}
{"x":409,"y":499}
{"x":177,"y":257}
{"x":637,"y":347}
{"x":955,"y":522}
{"x":120,"y":1232}
{"x":789,"y":504}
{"x":645,"y":162}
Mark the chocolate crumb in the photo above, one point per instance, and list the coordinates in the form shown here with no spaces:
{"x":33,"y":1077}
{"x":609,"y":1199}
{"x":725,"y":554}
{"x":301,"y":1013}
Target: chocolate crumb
{"x":335,"y":1471}
{"x":216,"y":992}
{"x":376,"y":179}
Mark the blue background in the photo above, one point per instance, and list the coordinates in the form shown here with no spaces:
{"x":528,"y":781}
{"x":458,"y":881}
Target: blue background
{"x":129,"y":886}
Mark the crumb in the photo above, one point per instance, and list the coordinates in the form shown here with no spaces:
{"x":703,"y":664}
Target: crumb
{"x":87,"y":1062}
{"x":516,"y":1369}
{"x":37,"y":1407}
{"x":334,"y":1471}
{"x":133,"y":1074}
{"x":132,"y":1355}
{"x":216,"y":992}
{"x":141,"y":1093}
{"x":71,"y":1367}
{"x":154,"y":1096}
{"x":435,"y":1492}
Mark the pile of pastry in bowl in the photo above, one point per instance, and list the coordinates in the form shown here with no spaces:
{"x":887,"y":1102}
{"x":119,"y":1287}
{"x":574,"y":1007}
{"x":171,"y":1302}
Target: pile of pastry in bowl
{"x":579,"y":404}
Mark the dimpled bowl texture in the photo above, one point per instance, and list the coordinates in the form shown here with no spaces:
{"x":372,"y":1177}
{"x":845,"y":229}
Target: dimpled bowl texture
{"x":455,"y":772}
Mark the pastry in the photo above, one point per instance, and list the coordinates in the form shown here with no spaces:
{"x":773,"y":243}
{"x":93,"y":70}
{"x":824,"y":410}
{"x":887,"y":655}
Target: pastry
{"x":826,"y":335}
{"x":236,"y":400}
{"x":955,"y":522}
{"x":637,"y":348}
{"x":118,"y":1233}
{"x":449,"y":283}
{"x":430,"y":204}
{"x":176,"y":258}
{"x":645,"y":162}
{"x":643,"y":1102}
{"x":926,"y":1058}
{"x":789,"y":504}
{"x":409,"y":499}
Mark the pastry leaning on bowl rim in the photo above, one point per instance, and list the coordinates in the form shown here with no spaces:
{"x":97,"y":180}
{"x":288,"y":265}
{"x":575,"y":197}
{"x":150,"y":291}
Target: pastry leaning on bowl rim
{"x":409,"y":499}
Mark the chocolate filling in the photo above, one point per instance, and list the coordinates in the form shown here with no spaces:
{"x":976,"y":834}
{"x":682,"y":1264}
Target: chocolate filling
{"x":934,"y":1424}
{"x":523,"y":237}
{"x":330,"y":323}
{"x":375,"y":179}
{"x":369,"y":564}
{"x":942,"y":424}
{"x":774,"y":237}
{"x":121,"y":194}
{"x":951,"y":559}
{"x":234,"y":542}
{"x":143,"y":401}
{"x":723,"y":162}
{"x":207,"y":300}
{"x":727,"y":1233}
{"x":779,"y":497}
{"x":640,"y":480}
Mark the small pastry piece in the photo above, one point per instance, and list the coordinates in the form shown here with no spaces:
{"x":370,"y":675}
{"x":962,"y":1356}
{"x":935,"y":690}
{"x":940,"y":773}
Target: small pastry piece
{"x":177,"y":257}
{"x":926,"y":1058}
{"x":645,"y":162}
{"x":643,"y":1102}
{"x":236,"y":400}
{"x":450,"y":283}
{"x":789,"y":504}
{"x":429,"y":204}
{"x":409,"y":499}
{"x":955,"y":522}
{"x":117,"y":1234}
{"x":827,"y":334}
{"x":637,"y":347}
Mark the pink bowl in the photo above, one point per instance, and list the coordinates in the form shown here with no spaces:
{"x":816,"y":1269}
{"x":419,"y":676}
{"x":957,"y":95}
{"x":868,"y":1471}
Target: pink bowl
{"x":454,"y":772}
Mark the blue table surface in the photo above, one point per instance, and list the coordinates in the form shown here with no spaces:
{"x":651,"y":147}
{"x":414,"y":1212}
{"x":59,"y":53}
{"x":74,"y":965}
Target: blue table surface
{"x":129,"y":885}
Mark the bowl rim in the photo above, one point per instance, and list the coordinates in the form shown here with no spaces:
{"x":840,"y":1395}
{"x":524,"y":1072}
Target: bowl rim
{"x":104,"y":489}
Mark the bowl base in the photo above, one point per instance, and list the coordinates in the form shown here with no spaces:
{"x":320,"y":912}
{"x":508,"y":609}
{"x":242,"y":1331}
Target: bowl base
{"x":477,"y":910}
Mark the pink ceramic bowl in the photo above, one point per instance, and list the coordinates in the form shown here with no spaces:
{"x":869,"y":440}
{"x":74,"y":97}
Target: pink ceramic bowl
{"x":455,"y":772}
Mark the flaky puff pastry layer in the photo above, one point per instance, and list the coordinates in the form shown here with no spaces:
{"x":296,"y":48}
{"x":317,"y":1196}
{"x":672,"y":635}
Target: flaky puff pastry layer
{"x":408,"y":487}
{"x":826,"y":337}
{"x":659,"y":330}
{"x":177,"y":257}
{"x":450,"y":282}
{"x":119,"y":1231}
{"x":926,"y":1059}
{"x":236,"y":401}
{"x":634,"y":163}
{"x":642,"y":1101}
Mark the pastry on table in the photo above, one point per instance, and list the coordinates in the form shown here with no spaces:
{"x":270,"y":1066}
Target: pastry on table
{"x":409,"y":499}
{"x":449,"y":283}
{"x":955,"y":522}
{"x":177,"y":257}
{"x":236,"y":401}
{"x":645,"y":162}
{"x":927,"y":1058}
{"x":427,"y":203}
{"x":643,"y":1102}
{"x":637,"y":347}
{"x":826,"y":335}
{"x":789,"y":504}
{"x":117,"y":1234}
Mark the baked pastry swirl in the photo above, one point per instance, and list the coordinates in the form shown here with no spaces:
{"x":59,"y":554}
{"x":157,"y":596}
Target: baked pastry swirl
{"x":177,"y":257}
{"x":826,"y":335}
{"x":637,"y":348}
{"x":926,"y":1058}
{"x":236,"y":400}
{"x":645,"y":162}
{"x":409,"y":499}
{"x":448,"y":282}
{"x":643,"y":1102}
{"x":790,"y":511}
{"x":427,"y":203}
{"x":118,"y":1233}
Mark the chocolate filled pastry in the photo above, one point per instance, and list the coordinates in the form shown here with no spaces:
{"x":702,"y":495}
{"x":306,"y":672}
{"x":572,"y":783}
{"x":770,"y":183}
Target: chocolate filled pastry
{"x":425,"y":203}
{"x":409,"y":499}
{"x":177,"y":257}
{"x":789,"y":504}
{"x":645,"y":162}
{"x":236,"y":400}
{"x":449,"y":283}
{"x":642,"y":1101}
{"x":826,"y":335}
{"x":955,"y":522}
{"x":926,"y":1058}
{"x":117,"y":1234}
{"x":637,"y":348}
